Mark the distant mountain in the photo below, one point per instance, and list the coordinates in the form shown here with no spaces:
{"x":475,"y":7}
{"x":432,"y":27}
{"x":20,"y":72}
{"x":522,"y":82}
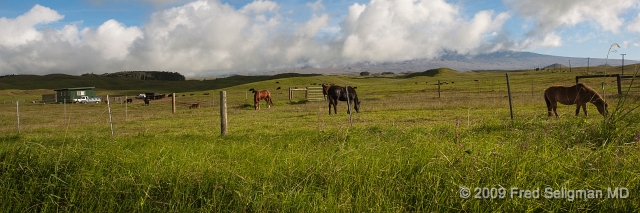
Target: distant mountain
{"x":556,"y":66}
{"x":501,"y":60}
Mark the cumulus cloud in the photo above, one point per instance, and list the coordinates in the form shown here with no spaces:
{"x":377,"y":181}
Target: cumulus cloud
{"x":207,"y":37}
{"x":112,"y":39}
{"x":21,"y":30}
{"x":404,"y":29}
{"x":550,"y":15}
{"x":24,"y":49}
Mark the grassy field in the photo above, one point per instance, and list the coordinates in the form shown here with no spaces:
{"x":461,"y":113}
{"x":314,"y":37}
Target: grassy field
{"x":407,"y":150}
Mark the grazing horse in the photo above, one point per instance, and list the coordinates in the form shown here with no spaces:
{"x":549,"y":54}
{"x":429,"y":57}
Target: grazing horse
{"x":578,"y":94}
{"x":259,"y":95}
{"x":338,"y":93}
{"x":194,"y":106}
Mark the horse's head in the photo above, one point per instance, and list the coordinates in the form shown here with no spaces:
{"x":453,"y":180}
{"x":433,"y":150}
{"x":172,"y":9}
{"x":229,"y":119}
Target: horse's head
{"x":357,"y":106}
{"x":603,"y":107}
{"x":325,"y":89}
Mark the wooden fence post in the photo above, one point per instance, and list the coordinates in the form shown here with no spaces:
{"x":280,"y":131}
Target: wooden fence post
{"x":509,"y":91}
{"x":438,"y":88}
{"x":346,"y":88}
{"x":619,"y":84}
{"x":290,"y":94}
{"x":223,"y":112}
{"x":110,"y":120}
{"x":126,"y":108}
{"x":173,"y":102}
{"x":18,"y":113}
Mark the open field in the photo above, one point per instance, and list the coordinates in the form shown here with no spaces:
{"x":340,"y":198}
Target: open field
{"x":407,"y":150}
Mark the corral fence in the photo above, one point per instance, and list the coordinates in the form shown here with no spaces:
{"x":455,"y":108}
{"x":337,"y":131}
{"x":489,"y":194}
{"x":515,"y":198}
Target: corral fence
{"x":618,"y":79}
{"x":310,"y":93}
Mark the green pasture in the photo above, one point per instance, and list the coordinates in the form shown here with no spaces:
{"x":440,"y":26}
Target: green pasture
{"x":407,"y":149}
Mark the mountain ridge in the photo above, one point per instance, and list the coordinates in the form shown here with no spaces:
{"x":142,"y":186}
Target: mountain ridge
{"x":500,"y":60}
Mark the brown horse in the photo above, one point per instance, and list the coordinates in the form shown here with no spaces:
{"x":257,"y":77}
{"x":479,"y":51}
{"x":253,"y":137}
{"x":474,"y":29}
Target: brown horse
{"x":325,"y":89}
{"x":259,"y":95}
{"x":578,"y":94}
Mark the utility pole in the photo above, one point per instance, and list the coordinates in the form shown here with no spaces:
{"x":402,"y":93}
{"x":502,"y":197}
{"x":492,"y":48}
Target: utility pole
{"x":623,"y":63}
{"x":588,"y":65}
{"x":569,"y":65}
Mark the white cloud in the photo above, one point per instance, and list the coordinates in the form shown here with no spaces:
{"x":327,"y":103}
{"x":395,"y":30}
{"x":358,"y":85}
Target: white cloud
{"x":204,"y":38}
{"x":112,"y":38}
{"x":21,"y":30}
{"x":405,"y":29}
{"x":551,"y":15}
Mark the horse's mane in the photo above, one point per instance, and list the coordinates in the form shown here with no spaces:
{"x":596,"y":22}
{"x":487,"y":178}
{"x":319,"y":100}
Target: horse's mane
{"x":589,"y":89}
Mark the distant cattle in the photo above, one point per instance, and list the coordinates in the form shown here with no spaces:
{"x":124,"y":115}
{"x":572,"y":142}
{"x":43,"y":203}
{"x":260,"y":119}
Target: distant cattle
{"x":278,"y":88}
{"x":191,"y":94}
{"x":194,"y":106}
{"x":277,"y":82}
{"x":129,"y":100}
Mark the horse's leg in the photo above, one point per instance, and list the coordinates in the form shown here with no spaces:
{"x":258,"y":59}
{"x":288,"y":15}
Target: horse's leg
{"x":578,"y":105}
{"x":335,"y":105}
{"x":584,"y":108}
{"x":257,"y":103}
{"x":554,"y":107}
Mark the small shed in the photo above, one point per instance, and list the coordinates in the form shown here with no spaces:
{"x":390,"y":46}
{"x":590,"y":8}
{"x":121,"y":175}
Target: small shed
{"x":68,"y":94}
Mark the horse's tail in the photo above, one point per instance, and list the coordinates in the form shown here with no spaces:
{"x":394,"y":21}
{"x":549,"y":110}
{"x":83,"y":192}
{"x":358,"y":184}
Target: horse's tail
{"x":268,"y":97}
{"x":546,"y":99}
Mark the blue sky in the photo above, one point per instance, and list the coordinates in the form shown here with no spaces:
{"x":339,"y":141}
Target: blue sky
{"x":212,"y":37}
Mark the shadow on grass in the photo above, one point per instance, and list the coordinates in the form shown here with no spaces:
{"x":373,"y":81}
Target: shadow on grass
{"x":299,"y":102}
{"x":9,"y":138}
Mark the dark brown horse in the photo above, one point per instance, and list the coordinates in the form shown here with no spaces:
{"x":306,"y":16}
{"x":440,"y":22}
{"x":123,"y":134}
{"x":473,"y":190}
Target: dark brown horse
{"x":338,"y":93}
{"x":259,"y":95}
{"x":579,"y":94}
